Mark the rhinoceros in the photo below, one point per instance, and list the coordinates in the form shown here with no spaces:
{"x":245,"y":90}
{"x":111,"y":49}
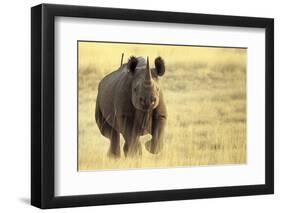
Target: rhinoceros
{"x":131,"y":102}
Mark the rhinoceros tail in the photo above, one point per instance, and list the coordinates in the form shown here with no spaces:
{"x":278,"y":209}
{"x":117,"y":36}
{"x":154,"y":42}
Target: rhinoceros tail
{"x":122,"y":59}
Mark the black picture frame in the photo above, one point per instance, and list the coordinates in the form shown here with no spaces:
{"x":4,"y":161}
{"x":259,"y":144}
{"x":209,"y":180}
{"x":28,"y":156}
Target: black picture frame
{"x":43,"y":102}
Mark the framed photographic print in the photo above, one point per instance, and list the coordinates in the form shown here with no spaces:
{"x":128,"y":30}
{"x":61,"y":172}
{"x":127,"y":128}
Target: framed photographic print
{"x":140,"y":106}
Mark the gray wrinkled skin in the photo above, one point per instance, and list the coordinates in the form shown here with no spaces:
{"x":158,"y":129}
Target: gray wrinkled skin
{"x":130,"y":101}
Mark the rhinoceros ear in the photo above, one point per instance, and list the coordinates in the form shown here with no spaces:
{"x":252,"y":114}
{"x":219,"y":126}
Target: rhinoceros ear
{"x":160,"y":66}
{"x":132,"y":64}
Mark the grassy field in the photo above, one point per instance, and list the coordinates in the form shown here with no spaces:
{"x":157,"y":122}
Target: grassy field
{"x":205,"y":94}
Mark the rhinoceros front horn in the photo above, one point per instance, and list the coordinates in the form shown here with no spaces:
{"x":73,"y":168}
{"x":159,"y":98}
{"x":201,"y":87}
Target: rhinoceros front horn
{"x":148,"y":77}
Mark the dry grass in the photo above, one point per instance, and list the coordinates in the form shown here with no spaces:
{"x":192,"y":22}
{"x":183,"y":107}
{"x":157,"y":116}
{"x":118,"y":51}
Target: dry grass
{"x":205,"y":93}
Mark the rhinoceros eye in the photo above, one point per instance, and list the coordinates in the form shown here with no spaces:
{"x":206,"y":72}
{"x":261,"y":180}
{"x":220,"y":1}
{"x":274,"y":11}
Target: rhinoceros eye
{"x":135,"y":89}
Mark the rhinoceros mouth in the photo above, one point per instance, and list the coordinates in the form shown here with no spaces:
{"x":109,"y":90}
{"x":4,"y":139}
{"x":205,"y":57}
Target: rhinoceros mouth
{"x":145,"y":109}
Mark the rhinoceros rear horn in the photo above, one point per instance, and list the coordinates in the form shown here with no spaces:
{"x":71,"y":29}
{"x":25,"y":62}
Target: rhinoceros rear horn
{"x":159,"y":66}
{"x":132,"y":64}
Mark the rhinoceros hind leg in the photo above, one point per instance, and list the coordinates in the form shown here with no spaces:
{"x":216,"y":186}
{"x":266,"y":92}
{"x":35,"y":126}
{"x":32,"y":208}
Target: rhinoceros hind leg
{"x":114,"y":149}
{"x":108,"y":132}
{"x":104,"y":127}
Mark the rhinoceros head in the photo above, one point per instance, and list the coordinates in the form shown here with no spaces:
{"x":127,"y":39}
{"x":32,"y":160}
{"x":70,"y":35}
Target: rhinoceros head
{"x":145,"y":83}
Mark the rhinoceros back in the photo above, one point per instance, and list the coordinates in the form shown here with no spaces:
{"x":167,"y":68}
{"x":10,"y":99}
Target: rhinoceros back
{"x":114,"y":95}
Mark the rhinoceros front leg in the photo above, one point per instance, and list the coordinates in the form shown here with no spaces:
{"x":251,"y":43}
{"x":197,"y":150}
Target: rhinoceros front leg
{"x":132,"y":146}
{"x":155,"y":145}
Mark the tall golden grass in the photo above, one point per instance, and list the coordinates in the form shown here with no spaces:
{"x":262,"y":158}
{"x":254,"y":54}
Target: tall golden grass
{"x":205,"y":94}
